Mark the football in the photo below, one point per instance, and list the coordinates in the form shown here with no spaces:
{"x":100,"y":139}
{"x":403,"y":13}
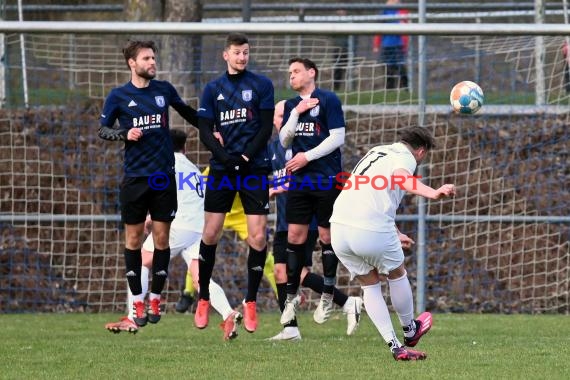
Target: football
{"x":466,"y":97}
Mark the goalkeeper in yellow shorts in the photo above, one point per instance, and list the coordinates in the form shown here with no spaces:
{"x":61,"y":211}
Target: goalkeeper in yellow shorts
{"x":236,"y":221}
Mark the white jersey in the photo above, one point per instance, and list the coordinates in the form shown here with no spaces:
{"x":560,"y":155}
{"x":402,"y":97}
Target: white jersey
{"x":190,"y":214}
{"x":374,"y":207}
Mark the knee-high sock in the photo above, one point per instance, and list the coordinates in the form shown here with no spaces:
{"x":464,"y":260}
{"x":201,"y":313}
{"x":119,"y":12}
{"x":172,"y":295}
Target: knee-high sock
{"x":133,"y":263}
{"x":207,"y":258}
{"x":316,"y":283}
{"x":402,"y":299}
{"x":282,"y":297}
{"x":160,"y":262}
{"x":255,"y":264}
{"x":144,"y":279}
{"x":219,"y":301}
{"x":378,"y":312}
{"x":330,"y":265}
{"x":295,"y":262}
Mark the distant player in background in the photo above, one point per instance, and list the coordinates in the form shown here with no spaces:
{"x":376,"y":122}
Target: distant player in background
{"x":341,"y":57}
{"x":350,"y":305}
{"x":239,"y":106}
{"x":185,"y":236}
{"x":314,"y":129}
{"x":393,"y":50}
{"x":149,"y":186}
{"x":367,"y":242}
{"x":566,"y":75}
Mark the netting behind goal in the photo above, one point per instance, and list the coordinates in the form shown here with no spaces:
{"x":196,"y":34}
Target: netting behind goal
{"x":509,"y":162}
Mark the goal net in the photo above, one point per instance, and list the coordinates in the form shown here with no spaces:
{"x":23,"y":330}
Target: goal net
{"x":501,"y":245}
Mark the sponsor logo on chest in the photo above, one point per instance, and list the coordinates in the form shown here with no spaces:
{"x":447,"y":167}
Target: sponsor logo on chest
{"x":147,"y":121}
{"x":305,"y":129}
{"x":238,"y":115}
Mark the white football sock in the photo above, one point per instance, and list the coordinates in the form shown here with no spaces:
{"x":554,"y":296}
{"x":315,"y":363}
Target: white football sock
{"x":403,"y":301}
{"x":378,"y":312}
{"x":219,"y":301}
{"x":130,"y":304}
{"x":144,"y":286}
{"x":144,"y":280}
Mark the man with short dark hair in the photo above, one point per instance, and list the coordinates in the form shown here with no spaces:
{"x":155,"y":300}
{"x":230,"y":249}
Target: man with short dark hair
{"x":184,"y":240}
{"x":367,"y":242}
{"x":350,"y":305}
{"x":141,"y":108}
{"x":314,"y":129}
{"x":239,"y":106}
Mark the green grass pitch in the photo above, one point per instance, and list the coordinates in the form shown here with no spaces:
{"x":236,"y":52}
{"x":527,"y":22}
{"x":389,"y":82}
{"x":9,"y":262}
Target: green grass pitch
{"x":459,"y":346}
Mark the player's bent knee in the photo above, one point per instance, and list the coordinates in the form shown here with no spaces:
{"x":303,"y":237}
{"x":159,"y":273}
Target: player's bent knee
{"x":371,"y":278}
{"x":397,"y":273}
{"x":280,"y":273}
{"x":211,"y":237}
{"x":257,"y":240}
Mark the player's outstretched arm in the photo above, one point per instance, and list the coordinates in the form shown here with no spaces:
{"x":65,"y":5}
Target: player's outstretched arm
{"x":188,"y":113}
{"x":206,"y":128}
{"x":444,"y":191}
{"x":413,"y":185}
{"x":109,"y":115}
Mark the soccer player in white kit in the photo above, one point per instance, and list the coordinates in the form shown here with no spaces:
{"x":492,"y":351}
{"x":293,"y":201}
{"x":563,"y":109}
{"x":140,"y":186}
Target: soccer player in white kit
{"x":367,"y":242}
{"x":185,"y":235}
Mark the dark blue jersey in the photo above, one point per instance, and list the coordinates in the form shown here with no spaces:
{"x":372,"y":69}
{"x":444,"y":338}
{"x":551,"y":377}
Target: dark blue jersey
{"x":313,"y":127}
{"x":279,"y":157}
{"x":234,"y":104}
{"x":145,"y":108}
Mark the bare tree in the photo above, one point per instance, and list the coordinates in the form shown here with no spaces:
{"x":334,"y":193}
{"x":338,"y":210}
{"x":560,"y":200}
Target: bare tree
{"x":184,"y":51}
{"x":144,"y":10}
{"x":179,"y":54}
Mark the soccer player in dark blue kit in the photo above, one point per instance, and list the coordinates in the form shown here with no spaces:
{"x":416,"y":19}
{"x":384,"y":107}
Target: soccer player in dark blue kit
{"x":350,"y":305}
{"x":315,"y":138}
{"x":239,"y":106}
{"x":149,"y":186}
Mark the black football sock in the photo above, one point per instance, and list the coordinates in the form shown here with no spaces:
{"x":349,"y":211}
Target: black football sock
{"x":295,"y":260}
{"x":316,"y":283}
{"x":133,"y":263}
{"x":281,"y":298}
{"x":330,"y":264}
{"x":160,"y":261}
{"x":281,"y":295}
{"x":255,"y":264}
{"x":206,"y":260}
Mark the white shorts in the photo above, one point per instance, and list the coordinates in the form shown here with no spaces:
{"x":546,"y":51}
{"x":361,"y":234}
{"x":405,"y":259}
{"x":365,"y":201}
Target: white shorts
{"x":360,"y":251}
{"x":181,"y":241}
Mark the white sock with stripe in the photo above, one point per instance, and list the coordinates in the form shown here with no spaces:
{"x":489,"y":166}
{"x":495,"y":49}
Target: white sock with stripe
{"x":403,"y":302}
